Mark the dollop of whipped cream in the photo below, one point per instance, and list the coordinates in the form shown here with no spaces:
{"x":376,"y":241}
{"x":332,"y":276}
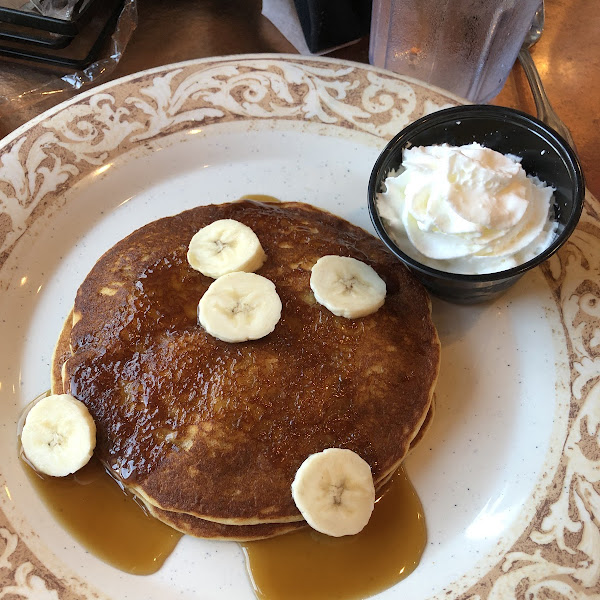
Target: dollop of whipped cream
{"x":466,"y":209}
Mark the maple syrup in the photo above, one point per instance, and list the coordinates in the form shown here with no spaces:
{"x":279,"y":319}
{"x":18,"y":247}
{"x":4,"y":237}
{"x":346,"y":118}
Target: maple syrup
{"x":93,"y":508}
{"x":308,"y":564}
{"x":109,"y":523}
{"x":100,"y":515}
{"x":260,"y":198}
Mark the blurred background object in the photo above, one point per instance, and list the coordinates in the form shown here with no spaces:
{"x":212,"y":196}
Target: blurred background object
{"x":319,"y":26}
{"x":329,"y":24}
{"x":69,"y":33}
{"x":567,"y":57}
{"x":58,"y":46}
{"x":544,"y":109}
{"x":462,"y":46}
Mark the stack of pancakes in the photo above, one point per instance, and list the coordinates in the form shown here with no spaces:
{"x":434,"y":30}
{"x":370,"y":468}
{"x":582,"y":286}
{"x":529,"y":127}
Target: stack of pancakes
{"x":209,"y":434}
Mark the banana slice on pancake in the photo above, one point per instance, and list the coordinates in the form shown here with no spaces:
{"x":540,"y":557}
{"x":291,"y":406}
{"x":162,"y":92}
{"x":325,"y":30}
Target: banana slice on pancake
{"x":59,"y":435}
{"x":334,"y":491}
{"x":225,"y":246}
{"x":238,"y":307}
{"x":346,"y":286}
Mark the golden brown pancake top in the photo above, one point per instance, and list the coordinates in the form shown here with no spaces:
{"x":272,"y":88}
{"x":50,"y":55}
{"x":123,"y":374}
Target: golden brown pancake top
{"x":218,"y":430}
{"x":194,"y":525}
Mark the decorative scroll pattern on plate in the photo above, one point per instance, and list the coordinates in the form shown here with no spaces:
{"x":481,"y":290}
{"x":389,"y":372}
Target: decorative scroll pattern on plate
{"x":67,"y":145}
{"x":20,"y":577}
{"x":558,"y":554}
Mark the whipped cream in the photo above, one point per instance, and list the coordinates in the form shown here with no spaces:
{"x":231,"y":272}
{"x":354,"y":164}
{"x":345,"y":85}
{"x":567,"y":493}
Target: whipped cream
{"x":466,"y":209}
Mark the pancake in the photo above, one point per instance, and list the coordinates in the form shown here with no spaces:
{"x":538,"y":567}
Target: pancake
{"x":219,"y":531}
{"x":62,"y":352}
{"x":195,"y":526}
{"x":188,"y":524}
{"x":217,"y":431}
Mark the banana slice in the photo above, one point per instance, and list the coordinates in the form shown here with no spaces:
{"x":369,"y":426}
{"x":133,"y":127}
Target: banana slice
{"x":240,"y":306}
{"x":346,"y":286}
{"x":334,"y":491}
{"x":59,"y":435}
{"x":223,"y":247}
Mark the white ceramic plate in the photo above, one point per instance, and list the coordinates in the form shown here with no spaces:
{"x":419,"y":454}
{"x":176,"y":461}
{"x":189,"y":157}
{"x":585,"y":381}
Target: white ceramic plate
{"x":509,"y":472}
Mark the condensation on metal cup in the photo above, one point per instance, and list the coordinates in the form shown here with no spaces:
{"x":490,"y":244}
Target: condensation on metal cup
{"x":467,"y":47}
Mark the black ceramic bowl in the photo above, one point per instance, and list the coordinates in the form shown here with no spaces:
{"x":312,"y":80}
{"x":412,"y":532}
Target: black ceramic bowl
{"x":544,"y":153}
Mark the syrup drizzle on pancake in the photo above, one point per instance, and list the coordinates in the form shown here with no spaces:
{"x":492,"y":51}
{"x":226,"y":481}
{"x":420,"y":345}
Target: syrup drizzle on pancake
{"x":94,"y":509}
{"x":101,"y":516}
{"x":233,"y":422}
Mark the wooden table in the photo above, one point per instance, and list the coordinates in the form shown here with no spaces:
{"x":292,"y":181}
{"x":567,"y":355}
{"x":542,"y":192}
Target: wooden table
{"x":567,"y":56}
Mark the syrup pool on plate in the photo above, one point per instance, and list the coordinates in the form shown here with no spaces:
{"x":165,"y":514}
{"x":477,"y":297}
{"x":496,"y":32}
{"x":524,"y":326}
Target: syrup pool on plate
{"x":308,"y":564}
{"x":94,"y":509}
{"x":260,"y":198}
